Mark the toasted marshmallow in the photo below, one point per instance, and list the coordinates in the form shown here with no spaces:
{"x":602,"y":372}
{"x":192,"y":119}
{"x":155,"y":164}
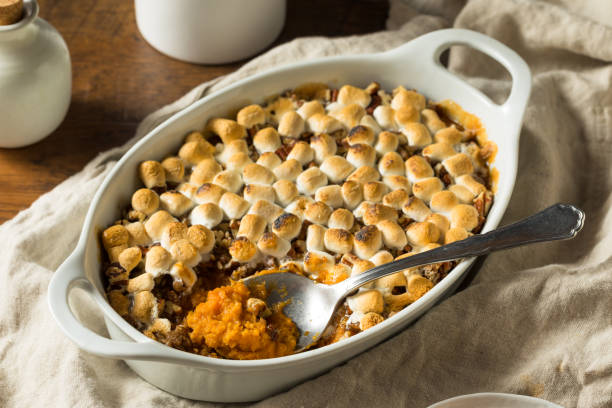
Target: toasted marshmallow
{"x":385,"y":116}
{"x":255,"y":174}
{"x":252,"y":226}
{"x":173,"y":232}
{"x":426,"y":188}
{"x":234,"y":206}
{"x":417,"y":134}
{"x":464,"y":216}
{"x":157,"y":261}
{"x":187,"y":189}
{"x":458,"y":165}
{"x":230,"y":149}
{"x":156,"y":223}
{"x":255,"y":192}
{"x":144,"y":307}
{"x":393,"y":235}
{"x":229,"y":180}
{"x":366,"y":301}
{"x":184,"y":277}
{"x":243,"y":250}
{"x":286,"y":191}
{"x":337,"y":273}
{"x":338,"y":240}
{"x":406,"y":116}
{"x":418,"y":168}
{"x":361,"y":135}
{"x":238,"y":161}
{"x":403,"y":97}
{"x":129,"y":258}
{"x":422,"y":233}
{"x":367,"y":241}
{"x":193,"y":152}
{"x":443,"y":201}
{"x":310,"y":108}
{"x":291,"y":125}
{"x":370,"y":122}
{"x":360,"y":266}
{"x":396,"y":199}
{"x":269,"y":160}
{"x":183,"y":251}
{"x":387,"y":142}
{"x":317,"y":212}
{"x":141,"y":283}
{"x":439,"y":151}
{"x":323,"y":146}
{"x":391,"y":164}
{"x":288,"y":170}
{"x":207,"y":214}
{"x":195,"y":137}
{"x":201,"y":238}
{"x":174,"y":169}
{"x":373,"y":213}
{"x":208,"y":193}
{"x":250,"y":116}
{"x":226,"y":129}
{"x":361,"y":155}
{"x":455,"y":234}
{"x":137,"y":234}
{"x":266,"y":210}
{"x":273,"y":245}
{"x":416,"y":209}
{"x":175,"y":203}
{"x":316,"y":262}
{"x":145,"y":200}
{"x":462,"y":193}
{"x":336,"y":168}
{"x":349,"y":94}
{"x":471,"y":184}
{"x":266,"y":140}
{"x":302,"y":152}
{"x":310,"y":180}
{"x":364,"y":174}
{"x":341,"y":218}
{"x":352,"y":194}
{"x":388,"y":283}
{"x":439,"y":221}
{"x":350,"y":115}
{"x":287,"y":226}
{"x":374,"y":191}
{"x":205,"y":172}
{"x":277,"y":109}
{"x":152,"y":174}
{"x":330,"y":195}
{"x":321,"y":123}
{"x":449,"y":135}
{"x":298,"y":206}
{"x":397,"y":183}
{"x":382,"y":257}
{"x":315,"y":237}
{"x":432,"y":120}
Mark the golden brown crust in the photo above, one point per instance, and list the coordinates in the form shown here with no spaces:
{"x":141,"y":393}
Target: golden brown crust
{"x":226,"y":129}
{"x":152,"y":174}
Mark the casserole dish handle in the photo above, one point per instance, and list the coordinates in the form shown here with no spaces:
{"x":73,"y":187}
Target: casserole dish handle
{"x":69,"y":276}
{"x":430,"y":46}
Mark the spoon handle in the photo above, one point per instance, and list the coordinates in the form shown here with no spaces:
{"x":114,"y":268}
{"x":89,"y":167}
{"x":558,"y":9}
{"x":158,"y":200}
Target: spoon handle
{"x":561,"y":221}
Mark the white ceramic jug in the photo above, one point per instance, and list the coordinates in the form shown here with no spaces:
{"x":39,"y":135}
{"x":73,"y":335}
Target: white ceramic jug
{"x":35,"y":79}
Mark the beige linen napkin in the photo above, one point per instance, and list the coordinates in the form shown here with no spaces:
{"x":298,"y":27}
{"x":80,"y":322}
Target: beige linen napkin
{"x":535,"y":320}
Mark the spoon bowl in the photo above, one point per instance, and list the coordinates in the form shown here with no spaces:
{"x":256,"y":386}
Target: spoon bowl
{"x":311,"y":305}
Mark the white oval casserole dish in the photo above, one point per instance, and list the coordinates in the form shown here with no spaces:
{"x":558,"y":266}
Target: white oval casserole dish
{"x":414,"y":65}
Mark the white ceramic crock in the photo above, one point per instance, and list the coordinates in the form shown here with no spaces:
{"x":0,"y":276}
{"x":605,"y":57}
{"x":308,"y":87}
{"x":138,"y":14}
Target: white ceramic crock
{"x":210,"y":31}
{"x":35,"y":79}
{"x":414,"y":65}
{"x":496,"y":400}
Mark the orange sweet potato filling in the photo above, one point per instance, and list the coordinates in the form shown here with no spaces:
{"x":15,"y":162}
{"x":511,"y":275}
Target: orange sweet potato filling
{"x":224,"y":323}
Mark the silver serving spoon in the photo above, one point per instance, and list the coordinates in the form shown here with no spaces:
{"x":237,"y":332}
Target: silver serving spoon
{"x":311,"y":305}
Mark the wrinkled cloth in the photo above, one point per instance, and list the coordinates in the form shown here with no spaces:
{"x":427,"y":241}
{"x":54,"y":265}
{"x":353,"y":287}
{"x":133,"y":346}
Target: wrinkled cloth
{"x":535,"y":320}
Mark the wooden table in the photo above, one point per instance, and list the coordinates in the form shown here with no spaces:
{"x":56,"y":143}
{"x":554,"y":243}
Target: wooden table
{"x":118,"y":79}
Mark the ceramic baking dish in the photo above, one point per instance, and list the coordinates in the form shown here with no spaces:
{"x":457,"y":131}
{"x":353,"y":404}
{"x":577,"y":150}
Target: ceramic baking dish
{"x":414,"y":65}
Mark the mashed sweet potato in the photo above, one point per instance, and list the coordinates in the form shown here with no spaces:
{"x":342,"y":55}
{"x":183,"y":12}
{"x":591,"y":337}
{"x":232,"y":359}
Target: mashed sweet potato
{"x":225,"y":323}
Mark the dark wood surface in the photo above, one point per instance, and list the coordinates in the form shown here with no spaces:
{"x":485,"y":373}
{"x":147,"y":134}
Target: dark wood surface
{"x":118,"y":79}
